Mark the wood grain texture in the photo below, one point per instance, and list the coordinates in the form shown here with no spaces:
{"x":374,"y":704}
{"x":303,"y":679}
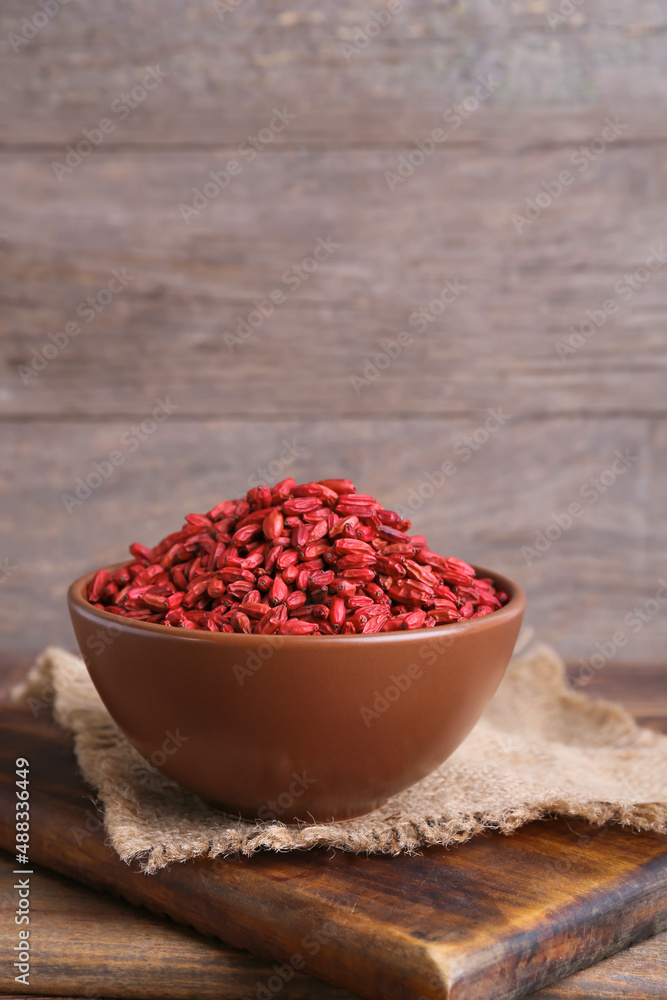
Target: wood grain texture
{"x":509,"y":914}
{"x":638,"y":972}
{"x":92,"y":945}
{"x":189,"y":285}
{"x":87,"y":944}
{"x":324,"y":175}
{"x":111,"y":935}
{"x":226,"y":74}
{"x":494,"y":347}
{"x":578,"y":591}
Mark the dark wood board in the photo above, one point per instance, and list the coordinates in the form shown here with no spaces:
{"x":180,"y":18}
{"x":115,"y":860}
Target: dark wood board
{"x":92,"y":945}
{"x":87,"y":944}
{"x":495,"y":917}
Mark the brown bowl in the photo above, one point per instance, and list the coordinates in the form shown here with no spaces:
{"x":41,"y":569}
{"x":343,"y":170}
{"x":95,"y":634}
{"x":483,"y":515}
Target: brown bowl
{"x":296,"y":728}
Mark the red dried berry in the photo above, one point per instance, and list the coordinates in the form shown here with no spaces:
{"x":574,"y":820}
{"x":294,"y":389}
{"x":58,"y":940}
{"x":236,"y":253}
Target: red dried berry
{"x":311,"y":559}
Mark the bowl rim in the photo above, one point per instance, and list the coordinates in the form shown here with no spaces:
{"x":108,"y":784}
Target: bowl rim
{"x":515,"y":606}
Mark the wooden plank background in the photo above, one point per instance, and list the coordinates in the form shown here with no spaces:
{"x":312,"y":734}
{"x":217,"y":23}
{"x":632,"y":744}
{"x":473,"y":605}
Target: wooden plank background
{"x":284,"y":402}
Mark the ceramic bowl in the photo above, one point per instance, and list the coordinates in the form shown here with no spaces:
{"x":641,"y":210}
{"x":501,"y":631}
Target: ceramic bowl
{"x":296,"y":728}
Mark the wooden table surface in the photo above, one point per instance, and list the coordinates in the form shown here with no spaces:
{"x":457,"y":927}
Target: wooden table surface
{"x":99,"y":926}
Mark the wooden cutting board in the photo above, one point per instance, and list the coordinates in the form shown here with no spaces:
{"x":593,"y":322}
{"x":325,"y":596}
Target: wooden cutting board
{"x":496,"y":917}
{"x":91,"y":945}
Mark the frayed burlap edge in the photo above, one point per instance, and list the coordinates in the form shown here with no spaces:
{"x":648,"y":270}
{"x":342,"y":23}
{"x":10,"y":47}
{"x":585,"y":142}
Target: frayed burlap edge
{"x":540,"y":749}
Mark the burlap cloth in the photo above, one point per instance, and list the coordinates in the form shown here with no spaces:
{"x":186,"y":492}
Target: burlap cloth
{"x":540,"y":749}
